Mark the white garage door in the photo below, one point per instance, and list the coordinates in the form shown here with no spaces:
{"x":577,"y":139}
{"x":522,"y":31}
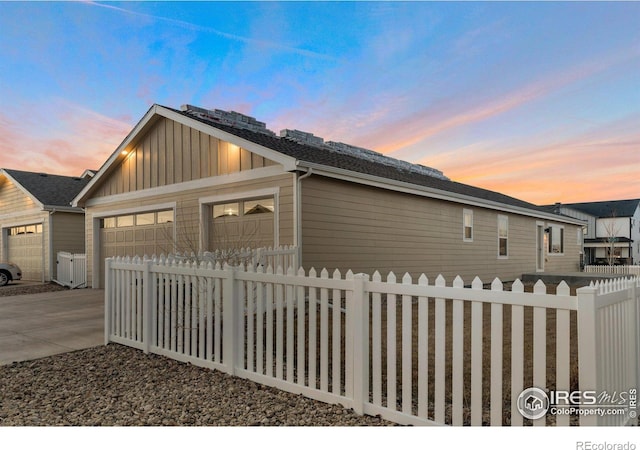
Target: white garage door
{"x":25,"y":248}
{"x":242,"y":224}
{"x":141,"y":234}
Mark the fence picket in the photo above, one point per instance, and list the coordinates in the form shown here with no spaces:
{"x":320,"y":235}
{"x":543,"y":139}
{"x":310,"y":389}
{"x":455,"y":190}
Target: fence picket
{"x":517,"y":354}
{"x":391,"y":346}
{"x":324,"y":334}
{"x":313,"y":326}
{"x":563,"y":350}
{"x":496,"y":357}
{"x":539,"y":345}
{"x":279,"y":298}
{"x":376,"y":343}
{"x":336,"y":337}
{"x":300,"y":359}
{"x":290,"y":344}
{"x":440,"y":325}
{"x":476,"y":356}
{"x":457,"y":366}
{"x":423,"y":351}
{"x":407,"y":350}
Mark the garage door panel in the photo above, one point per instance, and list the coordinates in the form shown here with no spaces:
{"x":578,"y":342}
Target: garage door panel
{"x":26,"y":250}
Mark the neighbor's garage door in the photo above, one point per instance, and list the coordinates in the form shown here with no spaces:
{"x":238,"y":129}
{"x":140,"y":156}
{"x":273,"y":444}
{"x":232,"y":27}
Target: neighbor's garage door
{"x":136,"y":235}
{"x":25,"y":248}
{"x":241,"y":224}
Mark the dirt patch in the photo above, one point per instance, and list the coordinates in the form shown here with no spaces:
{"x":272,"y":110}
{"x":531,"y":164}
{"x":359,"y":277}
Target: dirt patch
{"x":25,"y":288}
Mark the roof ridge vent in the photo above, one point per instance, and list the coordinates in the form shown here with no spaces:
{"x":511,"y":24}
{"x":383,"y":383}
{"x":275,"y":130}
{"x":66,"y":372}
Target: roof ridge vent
{"x":230,"y":118}
{"x":379,"y":158}
{"x":302,"y":137}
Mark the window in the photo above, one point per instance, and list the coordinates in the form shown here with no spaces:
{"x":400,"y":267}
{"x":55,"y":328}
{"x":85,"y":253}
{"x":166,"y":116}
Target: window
{"x":556,"y":239}
{"x":503,"y":236}
{"x":145,"y":219}
{"x":109,"y":222}
{"x":226,"y":209}
{"x":124,"y":221}
{"x":245,"y":208}
{"x":467,"y":225}
{"x":261,"y":206}
{"x":165,"y":216}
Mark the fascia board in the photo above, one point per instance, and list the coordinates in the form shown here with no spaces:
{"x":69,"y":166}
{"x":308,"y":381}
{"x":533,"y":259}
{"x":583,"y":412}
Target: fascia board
{"x":106,"y":167}
{"x":424,"y":191}
{"x":24,"y":190}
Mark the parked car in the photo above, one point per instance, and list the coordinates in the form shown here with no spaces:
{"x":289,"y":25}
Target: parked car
{"x":9,"y":272}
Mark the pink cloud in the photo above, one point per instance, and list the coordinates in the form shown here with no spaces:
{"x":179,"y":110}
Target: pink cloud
{"x":59,"y":137}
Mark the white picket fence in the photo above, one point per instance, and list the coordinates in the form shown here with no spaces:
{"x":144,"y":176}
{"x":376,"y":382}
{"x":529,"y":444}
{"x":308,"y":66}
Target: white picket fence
{"x":615,"y":270}
{"x":72,"y":269}
{"x":415,"y":353}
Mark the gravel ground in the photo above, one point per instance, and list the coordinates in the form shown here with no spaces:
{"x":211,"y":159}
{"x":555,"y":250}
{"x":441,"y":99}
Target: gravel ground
{"x":116,"y":385}
{"x":24,"y":288}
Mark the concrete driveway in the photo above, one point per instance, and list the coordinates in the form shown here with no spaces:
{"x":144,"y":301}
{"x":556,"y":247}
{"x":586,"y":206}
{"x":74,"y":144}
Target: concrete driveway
{"x":38,"y":325}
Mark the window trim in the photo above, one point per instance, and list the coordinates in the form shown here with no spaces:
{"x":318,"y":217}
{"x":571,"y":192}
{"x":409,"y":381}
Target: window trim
{"x":553,"y":227}
{"x":467,"y":213}
{"x":505,"y":219}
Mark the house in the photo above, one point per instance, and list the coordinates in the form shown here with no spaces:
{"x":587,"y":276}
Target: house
{"x":612,"y":233}
{"x":196,"y":179}
{"x":37,"y":220}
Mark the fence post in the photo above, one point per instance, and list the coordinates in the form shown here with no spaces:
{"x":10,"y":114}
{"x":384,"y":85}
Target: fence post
{"x":229,"y":319}
{"x":359,"y":321}
{"x":108,"y":289}
{"x":146,"y":304}
{"x":588,"y":338}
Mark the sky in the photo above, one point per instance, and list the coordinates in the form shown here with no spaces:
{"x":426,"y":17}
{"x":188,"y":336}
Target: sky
{"x":537,"y":100}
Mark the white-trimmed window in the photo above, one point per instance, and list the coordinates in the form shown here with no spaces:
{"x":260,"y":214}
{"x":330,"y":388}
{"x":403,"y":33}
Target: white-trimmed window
{"x":503,"y":236}
{"x":467,"y":225}
{"x":556,"y":240}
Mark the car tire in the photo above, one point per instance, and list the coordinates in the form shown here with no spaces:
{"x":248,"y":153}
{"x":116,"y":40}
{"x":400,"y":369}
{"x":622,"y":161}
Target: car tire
{"x":4,"y":278}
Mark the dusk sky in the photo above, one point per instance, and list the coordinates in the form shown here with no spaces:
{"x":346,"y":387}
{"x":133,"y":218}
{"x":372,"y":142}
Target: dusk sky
{"x":540,"y":101}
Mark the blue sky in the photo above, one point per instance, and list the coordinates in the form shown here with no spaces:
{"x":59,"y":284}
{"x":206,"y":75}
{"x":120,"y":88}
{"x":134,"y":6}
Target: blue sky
{"x":536,"y":100}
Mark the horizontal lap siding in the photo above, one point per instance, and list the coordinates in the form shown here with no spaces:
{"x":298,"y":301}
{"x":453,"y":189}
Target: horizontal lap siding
{"x":187,"y":210}
{"x":349,"y":226}
{"x":68,"y":235}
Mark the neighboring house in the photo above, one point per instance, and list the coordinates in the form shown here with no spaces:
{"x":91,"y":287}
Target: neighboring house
{"x":37,"y":220}
{"x":195,"y":180}
{"x":612,"y":232}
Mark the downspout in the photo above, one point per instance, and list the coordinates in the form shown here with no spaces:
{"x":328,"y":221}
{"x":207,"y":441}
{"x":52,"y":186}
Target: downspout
{"x":50,"y":248}
{"x":298,"y":229}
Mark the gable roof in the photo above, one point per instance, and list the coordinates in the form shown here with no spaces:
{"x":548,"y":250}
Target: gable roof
{"x":605,"y":209}
{"x":295,"y":155}
{"x":47,"y":190}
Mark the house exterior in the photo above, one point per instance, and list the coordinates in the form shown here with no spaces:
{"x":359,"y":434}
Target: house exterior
{"x":197,"y":180}
{"x":37,"y":220}
{"x":612,"y":231}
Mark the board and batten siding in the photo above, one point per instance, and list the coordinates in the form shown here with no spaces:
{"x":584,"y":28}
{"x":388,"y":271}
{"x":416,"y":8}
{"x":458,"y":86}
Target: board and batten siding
{"x":187,"y":210}
{"x":170,"y":153}
{"x":350,"y":226}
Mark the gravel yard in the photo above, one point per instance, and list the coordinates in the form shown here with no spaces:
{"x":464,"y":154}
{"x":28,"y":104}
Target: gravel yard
{"x":119,"y":386}
{"x":116,"y":385}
